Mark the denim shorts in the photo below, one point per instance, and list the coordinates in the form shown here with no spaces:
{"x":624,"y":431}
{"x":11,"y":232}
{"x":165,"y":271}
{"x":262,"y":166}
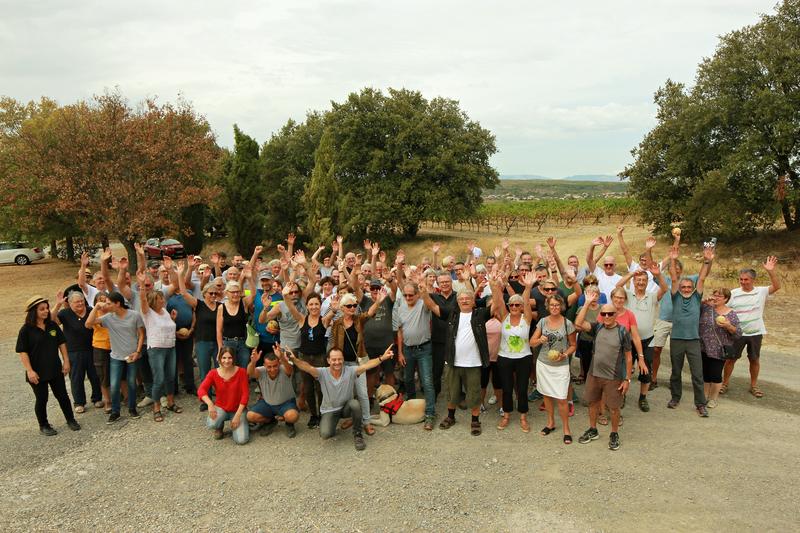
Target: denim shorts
{"x":271,"y":411}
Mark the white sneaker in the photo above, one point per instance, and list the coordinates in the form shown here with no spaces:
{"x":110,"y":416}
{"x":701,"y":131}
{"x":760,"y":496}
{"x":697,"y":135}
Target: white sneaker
{"x":147,"y":400}
{"x":501,"y":412}
{"x":483,"y":408}
{"x":712,"y":404}
{"x":492,"y":400}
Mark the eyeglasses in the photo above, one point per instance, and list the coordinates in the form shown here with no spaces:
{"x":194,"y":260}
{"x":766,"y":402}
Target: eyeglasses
{"x":548,"y":289}
{"x":212,"y":293}
{"x":234,"y":292}
{"x":409,"y":295}
{"x":350,"y":306}
{"x":590,"y":284}
{"x":608,"y":313}
{"x":609,"y":264}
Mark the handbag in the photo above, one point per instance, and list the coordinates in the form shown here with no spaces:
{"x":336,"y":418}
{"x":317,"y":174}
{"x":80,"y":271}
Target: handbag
{"x":253,"y":339}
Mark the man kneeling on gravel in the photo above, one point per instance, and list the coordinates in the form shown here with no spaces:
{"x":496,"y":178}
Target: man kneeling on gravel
{"x":337,"y":382}
{"x":610,"y":370}
{"x":277,"y":394}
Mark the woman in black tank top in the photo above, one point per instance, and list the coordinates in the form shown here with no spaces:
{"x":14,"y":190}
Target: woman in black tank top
{"x":231,"y":324}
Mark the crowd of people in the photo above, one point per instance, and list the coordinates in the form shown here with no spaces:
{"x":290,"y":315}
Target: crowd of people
{"x":319,"y":334}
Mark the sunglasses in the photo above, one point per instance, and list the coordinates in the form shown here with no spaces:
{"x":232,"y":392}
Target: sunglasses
{"x":609,"y":264}
{"x":409,"y":295}
{"x":515,"y":305}
{"x":213,"y":293}
{"x":548,"y":289}
{"x":350,"y":306}
{"x":513,"y":277}
{"x":612,"y":313}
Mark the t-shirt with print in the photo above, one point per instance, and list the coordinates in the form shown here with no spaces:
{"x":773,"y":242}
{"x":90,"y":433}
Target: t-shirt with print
{"x":558,"y":339}
{"x":123,"y":332}
{"x":275,"y":391}
{"x":41,"y":345}
{"x":608,"y":360}
{"x":749,"y":307}
{"x":336,"y":392}
{"x":686,"y":316}
{"x":514,"y":342}
{"x":467,"y":353}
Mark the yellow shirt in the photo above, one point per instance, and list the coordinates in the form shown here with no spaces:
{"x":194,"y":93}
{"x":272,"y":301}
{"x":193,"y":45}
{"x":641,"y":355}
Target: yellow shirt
{"x":100,"y":338}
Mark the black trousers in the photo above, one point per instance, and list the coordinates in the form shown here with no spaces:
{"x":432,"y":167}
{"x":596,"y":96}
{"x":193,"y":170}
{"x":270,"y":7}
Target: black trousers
{"x":514,"y":374}
{"x":438,"y":366}
{"x":183,"y":353}
{"x":585,"y":354}
{"x":59,"y":388}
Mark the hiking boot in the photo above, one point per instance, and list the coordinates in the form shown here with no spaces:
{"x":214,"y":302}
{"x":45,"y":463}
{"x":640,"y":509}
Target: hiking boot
{"x":613,"y":441}
{"x":428,"y":426}
{"x":358,"y":441}
{"x":673,"y":404}
{"x":73,"y":425}
{"x":133,"y":413}
{"x":291,"y":432}
{"x":644,"y":406}
{"x":113,"y":417}
{"x":48,"y":430}
{"x":588,"y":436}
{"x":702,"y":411}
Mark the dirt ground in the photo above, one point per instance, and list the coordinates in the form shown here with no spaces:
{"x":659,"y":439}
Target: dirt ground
{"x":674,"y":471}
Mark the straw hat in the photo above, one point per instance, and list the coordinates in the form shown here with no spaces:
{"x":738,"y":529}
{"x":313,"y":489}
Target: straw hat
{"x":34,"y":301}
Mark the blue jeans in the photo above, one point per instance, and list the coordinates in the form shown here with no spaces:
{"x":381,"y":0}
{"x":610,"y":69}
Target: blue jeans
{"x":206,"y":353}
{"x":240,"y":351}
{"x":116,"y":368}
{"x":422,"y":357}
{"x":81,"y":364}
{"x":361,"y":393}
{"x":162,"y":363}
{"x":241,"y":434}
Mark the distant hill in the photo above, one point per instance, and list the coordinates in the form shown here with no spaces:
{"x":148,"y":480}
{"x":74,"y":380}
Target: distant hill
{"x":531,"y":189}
{"x":578,"y":177}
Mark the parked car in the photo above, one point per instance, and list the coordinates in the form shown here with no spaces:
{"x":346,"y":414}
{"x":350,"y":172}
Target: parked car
{"x":158,"y":248}
{"x":19,"y":253}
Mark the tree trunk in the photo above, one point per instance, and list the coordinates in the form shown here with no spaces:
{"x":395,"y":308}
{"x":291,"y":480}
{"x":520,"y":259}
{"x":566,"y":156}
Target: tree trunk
{"x":53,"y":248}
{"x":104,"y":241}
{"x":70,"y":249}
{"x":133,"y":262}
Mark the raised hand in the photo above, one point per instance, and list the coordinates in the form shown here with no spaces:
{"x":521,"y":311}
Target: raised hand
{"x":335,"y":246}
{"x":168,"y":262}
{"x":340,"y":240}
{"x":620,"y":229}
{"x":60,"y":298}
{"x":470,"y":246}
{"x":257,"y":250}
{"x":367,"y":244}
{"x":300,"y":257}
{"x":608,"y":240}
{"x":769,"y":264}
{"x":84,"y":260}
{"x":382,"y":257}
{"x":255,"y":355}
{"x":708,"y":253}
{"x":597,"y":241}
{"x":321,"y":247}
{"x":281,"y":249}
{"x":400,"y":257}
{"x":505,"y":244}
{"x":529,"y":279}
{"x":266,"y":299}
{"x":141,"y":277}
{"x":123,"y":263}
{"x":214,"y":259}
{"x":181,"y":268}
{"x":105,"y":256}
{"x":538,"y":250}
{"x":518,"y":251}
{"x":290,"y":239}
{"x":436,"y":247}
{"x":673,"y":252}
{"x":551,"y":242}
{"x":591,"y":297}
{"x":650,"y":243}
{"x":497,"y":252}
{"x":376,"y":248}
{"x":655,"y":269}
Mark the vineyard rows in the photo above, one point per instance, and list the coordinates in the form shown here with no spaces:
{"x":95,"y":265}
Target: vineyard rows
{"x":502,"y":217}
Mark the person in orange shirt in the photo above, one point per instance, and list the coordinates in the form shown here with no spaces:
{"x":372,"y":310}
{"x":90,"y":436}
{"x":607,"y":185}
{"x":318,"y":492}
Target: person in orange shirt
{"x":101,"y":353}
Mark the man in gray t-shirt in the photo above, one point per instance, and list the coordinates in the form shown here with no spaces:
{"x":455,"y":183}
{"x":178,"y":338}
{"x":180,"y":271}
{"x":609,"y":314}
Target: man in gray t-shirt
{"x":277,"y":400}
{"x":290,"y":329}
{"x":337,"y":382}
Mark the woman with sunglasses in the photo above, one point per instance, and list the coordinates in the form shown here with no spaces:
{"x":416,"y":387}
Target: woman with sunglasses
{"x":347,"y":335}
{"x":232,"y":324}
{"x":555,"y":338}
{"x":205,"y":326}
{"x":313,"y":344}
{"x":514,"y":357}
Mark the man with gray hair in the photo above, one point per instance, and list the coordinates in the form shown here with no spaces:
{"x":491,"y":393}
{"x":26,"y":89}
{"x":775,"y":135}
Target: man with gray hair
{"x":749,"y":301}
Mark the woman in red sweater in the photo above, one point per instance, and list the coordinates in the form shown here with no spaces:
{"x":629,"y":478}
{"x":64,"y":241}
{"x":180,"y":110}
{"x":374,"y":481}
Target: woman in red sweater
{"x":232,"y":391}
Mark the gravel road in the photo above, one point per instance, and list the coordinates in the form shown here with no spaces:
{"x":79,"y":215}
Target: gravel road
{"x":733,"y":471}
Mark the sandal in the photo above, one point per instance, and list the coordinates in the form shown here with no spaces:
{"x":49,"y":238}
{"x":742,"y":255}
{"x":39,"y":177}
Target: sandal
{"x":369,"y":429}
{"x":80,"y":409}
{"x":547,"y":430}
{"x":602,"y":420}
{"x":447,"y":423}
{"x":504,"y":422}
{"x":567,"y":439}
{"x":175,"y":408}
{"x":157,"y":416}
{"x":722,"y":390}
{"x":523,"y":423}
{"x":475,"y":429}
{"x":755,"y":391}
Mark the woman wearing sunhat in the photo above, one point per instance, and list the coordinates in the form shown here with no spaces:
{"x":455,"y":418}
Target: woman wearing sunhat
{"x":39,"y":343}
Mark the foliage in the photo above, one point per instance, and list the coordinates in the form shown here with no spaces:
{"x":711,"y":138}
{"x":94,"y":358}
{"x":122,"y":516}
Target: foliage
{"x":738,"y":127}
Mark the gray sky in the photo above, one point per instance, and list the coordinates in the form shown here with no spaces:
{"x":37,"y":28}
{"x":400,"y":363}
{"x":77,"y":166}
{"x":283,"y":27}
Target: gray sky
{"x":565,"y":86}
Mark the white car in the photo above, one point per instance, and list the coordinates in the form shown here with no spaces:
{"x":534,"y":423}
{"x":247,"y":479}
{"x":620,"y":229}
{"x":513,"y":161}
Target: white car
{"x":19,"y":253}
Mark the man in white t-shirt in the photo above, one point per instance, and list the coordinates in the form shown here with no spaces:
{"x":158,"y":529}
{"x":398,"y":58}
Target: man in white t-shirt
{"x":645,"y":260}
{"x":607,"y":278}
{"x":749,"y":301}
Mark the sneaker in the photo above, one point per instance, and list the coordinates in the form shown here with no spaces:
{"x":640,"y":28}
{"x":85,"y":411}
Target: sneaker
{"x":48,"y":430}
{"x":358,"y":441}
{"x":535,"y":395}
{"x":501,"y":412}
{"x":73,"y":425}
{"x":113,"y":417}
{"x":588,"y":436}
{"x":313,"y":422}
{"x":291,"y":432}
{"x":133,"y":413}
{"x":255,"y":426}
{"x":98,"y":404}
{"x":146,"y":401}
{"x":483,"y":408}
{"x":492,"y":400}
{"x":673,"y":404}
{"x":613,"y":441}
{"x":428,"y":426}
{"x":702,"y":411}
{"x":712,"y":404}
{"x":644,"y":405}
{"x":217,"y":434}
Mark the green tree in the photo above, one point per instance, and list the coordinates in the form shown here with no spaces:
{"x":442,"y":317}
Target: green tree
{"x":739,"y":125}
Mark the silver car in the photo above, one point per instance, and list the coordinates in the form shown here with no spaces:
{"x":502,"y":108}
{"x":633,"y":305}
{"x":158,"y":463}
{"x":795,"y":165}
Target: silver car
{"x":19,"y":253}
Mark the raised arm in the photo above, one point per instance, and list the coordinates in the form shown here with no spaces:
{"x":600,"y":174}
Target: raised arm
{"x":302,"y":365}
{"x":183,"y":268}
{"x":251,"y":365}
{"x":624,"y":246}
{"x":290,"y":244}
{"x":673,"y":268}
{"x":105,"y":271}
{"x":377,"y":303}
{"x":435,"y":249}
{"x":659,"y":276}
{"x":315,"y":255}
{"x":498,"y":306}
{"x":385,"y":356}
{"x":774,"y":282}
{"x":625,"y":279}
{"x":141,"y":278}
{"x":705,"y":270}
{"x":296,"y":314}
{"x":60,"y":303}
{"x":591,"y":263}
{"x":92,"y":319}
{"x":580,"y":320}
{"x":428,"y":301}
{"x":283,"y":357}
{"x":551,"y":243}
{"x":527,"y":311}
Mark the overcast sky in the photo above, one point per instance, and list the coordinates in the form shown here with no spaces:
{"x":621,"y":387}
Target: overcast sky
{"x":565,"y":86}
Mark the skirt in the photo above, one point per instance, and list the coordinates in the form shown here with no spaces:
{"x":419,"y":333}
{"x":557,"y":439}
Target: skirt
{"x":552,"y":381}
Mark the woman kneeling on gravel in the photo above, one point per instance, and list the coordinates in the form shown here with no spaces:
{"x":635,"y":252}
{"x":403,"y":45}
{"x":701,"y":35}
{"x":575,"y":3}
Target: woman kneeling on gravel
{"x":230,"y":384}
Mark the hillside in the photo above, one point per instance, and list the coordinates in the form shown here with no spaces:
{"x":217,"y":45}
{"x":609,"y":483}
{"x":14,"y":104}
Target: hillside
{"x":519,"y":189}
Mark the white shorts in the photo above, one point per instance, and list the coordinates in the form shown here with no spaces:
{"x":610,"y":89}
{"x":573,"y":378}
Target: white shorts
{"x":661,"y":331}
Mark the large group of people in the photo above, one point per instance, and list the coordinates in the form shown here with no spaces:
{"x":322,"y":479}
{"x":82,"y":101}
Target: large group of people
{"x":319,"y":334}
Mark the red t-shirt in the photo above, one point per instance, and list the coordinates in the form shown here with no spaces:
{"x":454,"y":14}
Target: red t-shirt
{"x":230,"y":394}
{"x":626,"y":319}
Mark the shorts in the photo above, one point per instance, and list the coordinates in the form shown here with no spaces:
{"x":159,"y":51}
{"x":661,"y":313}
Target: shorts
{"x":597,"y":388}
{"x":712,"y":369}
{"x":753,"y":343}
{"x":661,"y":331}
{"x":100,"y":358}
{"x":648,"y":359}
{"x":388,"y":365}
{"x":271,"y":411}
{"x":470,"y":379}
